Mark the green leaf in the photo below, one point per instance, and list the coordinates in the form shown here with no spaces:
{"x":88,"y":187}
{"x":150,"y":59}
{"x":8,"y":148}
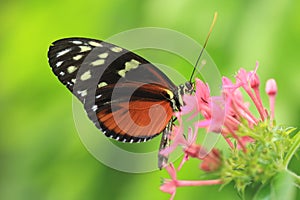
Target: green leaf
{"x":292,"y":149}
{"x":264,"y":192}
{"x":282,"y":187}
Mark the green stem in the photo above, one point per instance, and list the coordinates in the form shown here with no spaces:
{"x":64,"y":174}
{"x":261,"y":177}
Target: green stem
{"x":295,"y":177}
{"x":292,"y":150}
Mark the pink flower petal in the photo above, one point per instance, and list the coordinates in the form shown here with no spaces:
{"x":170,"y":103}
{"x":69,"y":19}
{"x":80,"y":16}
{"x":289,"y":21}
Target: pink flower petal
{"x":218,"y":114}
{"x":202,"y":90}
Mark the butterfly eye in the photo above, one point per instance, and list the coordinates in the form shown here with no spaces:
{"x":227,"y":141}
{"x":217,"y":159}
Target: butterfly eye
{"x":189,"y":87}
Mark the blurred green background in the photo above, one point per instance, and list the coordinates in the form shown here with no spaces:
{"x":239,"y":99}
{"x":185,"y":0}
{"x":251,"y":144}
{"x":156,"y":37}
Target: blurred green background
{"x":41,"y":155}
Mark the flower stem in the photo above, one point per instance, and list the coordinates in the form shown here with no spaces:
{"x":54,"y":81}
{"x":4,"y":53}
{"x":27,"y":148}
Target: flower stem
{"x":272,"y":106}
{"x":256,"y":103}
{"x":292,"y":150}
{"x":182,"y":183}
{"x":237,"y":139}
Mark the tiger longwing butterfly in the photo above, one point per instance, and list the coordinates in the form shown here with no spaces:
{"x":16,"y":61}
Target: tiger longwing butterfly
{"x":126,"y":97}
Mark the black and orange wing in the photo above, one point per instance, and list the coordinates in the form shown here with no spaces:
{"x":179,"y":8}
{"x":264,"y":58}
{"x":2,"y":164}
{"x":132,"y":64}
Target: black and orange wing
{"x":134,"y":118}
{"x":125,"y":96}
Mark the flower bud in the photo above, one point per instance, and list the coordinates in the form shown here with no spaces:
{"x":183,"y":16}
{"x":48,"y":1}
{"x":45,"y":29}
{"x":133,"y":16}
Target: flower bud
{"x":193,"y":150}
{"x":211,"y":162}
{"x":271,"y":87}
{"x":254,"y":81}
{"x":271,"y":90}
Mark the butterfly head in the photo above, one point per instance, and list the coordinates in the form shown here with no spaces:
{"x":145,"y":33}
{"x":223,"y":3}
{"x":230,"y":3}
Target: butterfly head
{"x":182,"y":89}
{"x":186,"y":88}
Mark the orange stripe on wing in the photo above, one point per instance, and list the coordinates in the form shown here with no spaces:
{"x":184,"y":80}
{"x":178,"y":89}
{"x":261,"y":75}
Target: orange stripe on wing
{"x":137,"y":118}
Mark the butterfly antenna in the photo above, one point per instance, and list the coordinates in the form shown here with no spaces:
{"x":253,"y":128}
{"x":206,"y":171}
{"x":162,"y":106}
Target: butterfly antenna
{"x":205,"y":43}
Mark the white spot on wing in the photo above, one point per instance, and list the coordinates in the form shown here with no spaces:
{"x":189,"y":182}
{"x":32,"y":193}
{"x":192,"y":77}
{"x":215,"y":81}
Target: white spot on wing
{"x":98,"y":96}
{"x":95,"y":44}
{"x":61,"y":73}
{"x":122,"y":72}
{"x":58,"y":64}
{"x":84,"y":48}
{"x":98,"y":62}
{"x":63,"y":52}
{"x":73,"y":80}
{"x":82,"y":93}
{"x":78,"y":57}
{"x":86,"y":75}
{"x":132,"y":64}
{"x":76,"y":42}
{"x":116,"y":49}
{"x":71,"y":69}
{"x":102,"y":84}
{"x":94,"y":108}
{"x":103,"y":55}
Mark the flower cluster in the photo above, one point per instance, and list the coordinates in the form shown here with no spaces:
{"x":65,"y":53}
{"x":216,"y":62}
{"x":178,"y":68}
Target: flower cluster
{"x":257,"y":150}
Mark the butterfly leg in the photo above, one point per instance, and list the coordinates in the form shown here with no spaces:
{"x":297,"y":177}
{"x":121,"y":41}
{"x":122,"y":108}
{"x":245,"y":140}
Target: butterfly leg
{"x":163,"y":160}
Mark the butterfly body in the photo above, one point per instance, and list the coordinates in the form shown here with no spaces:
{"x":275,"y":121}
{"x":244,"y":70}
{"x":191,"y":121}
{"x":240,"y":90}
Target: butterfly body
{"x":125,"y":96}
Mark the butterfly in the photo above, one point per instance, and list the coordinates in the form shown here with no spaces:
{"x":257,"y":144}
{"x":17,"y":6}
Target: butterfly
{"x":124,"y":95}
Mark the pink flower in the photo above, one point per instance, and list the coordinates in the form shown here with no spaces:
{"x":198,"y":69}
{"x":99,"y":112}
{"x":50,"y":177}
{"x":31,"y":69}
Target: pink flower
{"x":202,"y":90}
{"x":217,"y":112}
{"x":225,"y":114}
{"x":190,"y":148}
{"x":243,"y":79}
{"x":254,"y":81}
{"x":170,"y":185}
{"x":271,"y":87}
{"x":271,"y":90}
{"x":212,"y":161}
{"x":198,"y":102}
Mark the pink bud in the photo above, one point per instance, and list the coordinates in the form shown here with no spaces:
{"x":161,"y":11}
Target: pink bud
{"x":212,"y":161}
{"x":271,"y":87}
{"x":254,"y":81}
{"x":193,"y":150}
{"x":271,"y":90}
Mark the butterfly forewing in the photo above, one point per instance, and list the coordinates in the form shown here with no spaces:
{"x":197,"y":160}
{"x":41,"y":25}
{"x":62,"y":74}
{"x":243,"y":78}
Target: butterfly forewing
{"x":124,"y":95}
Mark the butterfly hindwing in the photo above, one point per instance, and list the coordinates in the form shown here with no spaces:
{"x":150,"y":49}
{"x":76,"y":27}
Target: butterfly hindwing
{"x":120,"y":90}
{"x":132,"y":118}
